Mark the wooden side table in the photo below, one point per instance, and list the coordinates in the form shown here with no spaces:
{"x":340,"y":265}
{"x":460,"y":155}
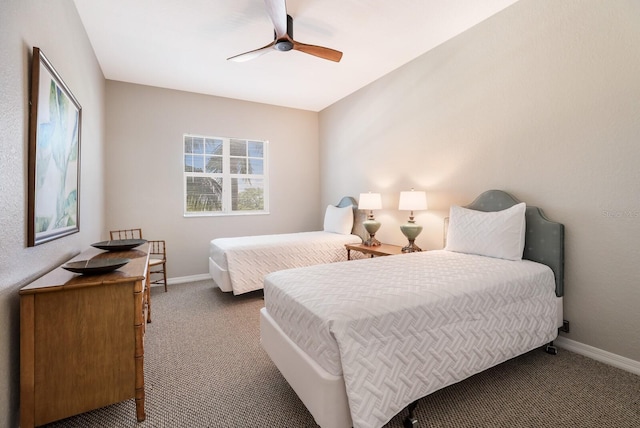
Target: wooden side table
{"x":378,"y":250}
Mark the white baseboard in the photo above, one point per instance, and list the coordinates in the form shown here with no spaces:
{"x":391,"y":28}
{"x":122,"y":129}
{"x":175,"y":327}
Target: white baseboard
{"x":598,"y":354}
{"x":183,"y":279}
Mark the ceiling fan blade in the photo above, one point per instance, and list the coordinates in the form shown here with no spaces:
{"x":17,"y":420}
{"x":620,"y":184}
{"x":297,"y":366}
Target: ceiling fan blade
{"x":252,"y":54}
{"x":277,"y":10}
{"x":319,"y":51}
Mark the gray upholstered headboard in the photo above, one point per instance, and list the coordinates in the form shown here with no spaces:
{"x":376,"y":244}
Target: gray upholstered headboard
{"x":358,"y":216}
{"x":346,"y":201}
{"x":544,"y":239}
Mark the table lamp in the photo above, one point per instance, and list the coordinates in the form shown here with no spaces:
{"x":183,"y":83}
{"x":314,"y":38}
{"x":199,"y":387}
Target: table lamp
{"x":412,"y":201}
{"x":370,"y":201}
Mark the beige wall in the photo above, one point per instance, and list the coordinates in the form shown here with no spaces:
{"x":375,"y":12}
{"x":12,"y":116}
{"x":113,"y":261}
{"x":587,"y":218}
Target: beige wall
{"x":541,"y":100}
{"x":54,"y":27}
{"x":145,"y":126}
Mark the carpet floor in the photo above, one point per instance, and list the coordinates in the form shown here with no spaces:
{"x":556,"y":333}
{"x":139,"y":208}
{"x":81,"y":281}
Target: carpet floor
{"x":204,"y":367}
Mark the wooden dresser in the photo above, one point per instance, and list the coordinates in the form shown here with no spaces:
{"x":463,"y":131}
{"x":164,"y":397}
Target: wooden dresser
{"x":82,"y":339}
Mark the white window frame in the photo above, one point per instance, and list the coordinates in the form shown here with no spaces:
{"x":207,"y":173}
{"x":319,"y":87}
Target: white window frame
{"x":227,"y":177}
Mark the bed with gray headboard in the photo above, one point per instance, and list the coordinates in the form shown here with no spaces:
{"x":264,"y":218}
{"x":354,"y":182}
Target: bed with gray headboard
{"x":239,"y":264}
{"x":544,"y":239}
{"x":360,"y":341}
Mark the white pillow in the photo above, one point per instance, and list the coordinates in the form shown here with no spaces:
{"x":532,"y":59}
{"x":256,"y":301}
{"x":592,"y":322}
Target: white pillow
{"x":497,"y":234}
{"x":338,"y":220}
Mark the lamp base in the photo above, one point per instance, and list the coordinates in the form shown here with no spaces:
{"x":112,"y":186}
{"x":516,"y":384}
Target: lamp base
{"x":411,"y":230}
{"x":371,"y":226}
{"x":372,"y":241}
{"x":411,"y":248}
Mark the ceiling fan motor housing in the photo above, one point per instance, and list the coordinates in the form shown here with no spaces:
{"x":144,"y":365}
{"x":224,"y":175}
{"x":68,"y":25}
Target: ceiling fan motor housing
{"x":285,"y":45}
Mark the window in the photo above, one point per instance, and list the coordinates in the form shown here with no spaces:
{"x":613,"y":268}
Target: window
{"x":224,"y":176}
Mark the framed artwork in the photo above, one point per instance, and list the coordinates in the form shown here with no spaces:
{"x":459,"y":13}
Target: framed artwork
{"x":54,"y":155}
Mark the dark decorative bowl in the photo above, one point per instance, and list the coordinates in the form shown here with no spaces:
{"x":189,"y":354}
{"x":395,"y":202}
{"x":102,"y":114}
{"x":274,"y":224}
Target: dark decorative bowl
{"x":119,"y":244}
{"x":95,"y":266}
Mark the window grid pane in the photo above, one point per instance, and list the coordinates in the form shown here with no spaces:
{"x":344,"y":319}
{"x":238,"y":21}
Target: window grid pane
{"x":213,"y":146}
{"x":238,"y":148}
{"x":204,"y":194}
{"x":256,"y":149}
{"x":247,"y":194}
{"x":188,"y":144}
{"x":214,"y":164}
{"x":256,"y":166}
{"x":188,"y":163}
{"x":238,"y":165}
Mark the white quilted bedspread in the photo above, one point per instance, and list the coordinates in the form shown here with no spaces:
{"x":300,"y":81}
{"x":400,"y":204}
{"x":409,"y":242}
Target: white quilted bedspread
{"x":401,"y":327}
{"x":248,"y":259}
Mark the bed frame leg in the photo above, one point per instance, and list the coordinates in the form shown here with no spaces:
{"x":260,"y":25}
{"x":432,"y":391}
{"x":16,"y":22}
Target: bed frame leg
{"x":411,"y":421}
{"x":551,"y":349}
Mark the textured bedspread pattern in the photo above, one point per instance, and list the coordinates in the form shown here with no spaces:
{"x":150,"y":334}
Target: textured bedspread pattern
{"x":401,"y":327}
{"x":248,"y":259}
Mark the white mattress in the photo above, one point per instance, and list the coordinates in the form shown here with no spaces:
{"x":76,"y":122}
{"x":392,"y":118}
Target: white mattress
{"x":398,"y":328}
{"x":248,"y":259}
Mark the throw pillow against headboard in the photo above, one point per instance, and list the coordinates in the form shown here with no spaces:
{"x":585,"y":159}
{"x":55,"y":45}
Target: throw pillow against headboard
{"x":338,"y":220}
{"x":497,"y":234}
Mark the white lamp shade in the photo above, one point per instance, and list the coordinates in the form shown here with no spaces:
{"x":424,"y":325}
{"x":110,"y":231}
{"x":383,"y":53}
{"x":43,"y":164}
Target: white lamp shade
{"x":370,"y":201}
{"x":413,"y":201}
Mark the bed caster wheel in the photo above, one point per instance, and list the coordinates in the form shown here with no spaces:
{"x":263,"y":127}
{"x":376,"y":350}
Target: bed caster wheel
{"x":550,"y":349}
{"x":410,"y":422}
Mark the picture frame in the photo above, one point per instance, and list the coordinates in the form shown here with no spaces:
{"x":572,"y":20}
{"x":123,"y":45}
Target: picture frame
{"x":55,"y":119}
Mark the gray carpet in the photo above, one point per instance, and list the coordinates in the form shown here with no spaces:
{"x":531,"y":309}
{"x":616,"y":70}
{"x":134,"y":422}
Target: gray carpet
{"x":204,"y":367}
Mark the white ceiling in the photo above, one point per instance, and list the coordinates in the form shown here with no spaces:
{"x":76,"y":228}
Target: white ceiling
{"x":184,"y":44}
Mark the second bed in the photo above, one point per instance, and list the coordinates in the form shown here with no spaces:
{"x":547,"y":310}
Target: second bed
{"x":239,"y":264}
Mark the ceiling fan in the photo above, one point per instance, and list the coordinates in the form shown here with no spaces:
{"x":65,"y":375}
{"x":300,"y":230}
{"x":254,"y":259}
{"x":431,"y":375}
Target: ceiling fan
{"x":283,"y":37}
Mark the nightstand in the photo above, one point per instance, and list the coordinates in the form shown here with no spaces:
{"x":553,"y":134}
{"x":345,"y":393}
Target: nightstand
{"x":378,"y":250}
